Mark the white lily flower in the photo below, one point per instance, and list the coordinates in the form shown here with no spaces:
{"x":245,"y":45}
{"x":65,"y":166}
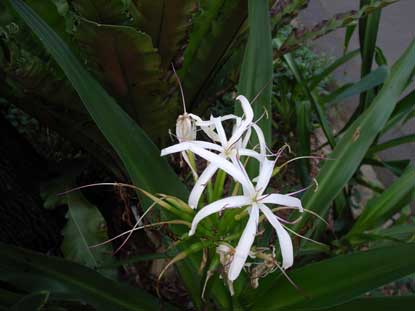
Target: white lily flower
{"x":255,"y":199}
{"x":231,"y":148}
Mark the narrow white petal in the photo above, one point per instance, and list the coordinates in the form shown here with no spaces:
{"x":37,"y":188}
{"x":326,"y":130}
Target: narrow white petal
{"x":200,"y":185}
{"x":222,"y":163}
{"x":217,"y":206}
{"x":265,"y":174}
{"x":247,"y":185}
{"x":284,"y":238}
{"x":221,"y":132}
{"x":244,"y":244}
{"x":189,"y":164}
{"x":247,"y":108}
{"x":247,"y":137}
{"x":188,"y":145}
{"x":251,"y":153}
{"x":245,"y":124}
{"x":261,"y":139}
{"x":282,"y":199}
{"x":237,"y":134}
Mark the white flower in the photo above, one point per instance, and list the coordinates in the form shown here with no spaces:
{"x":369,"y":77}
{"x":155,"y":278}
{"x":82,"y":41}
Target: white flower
{"x":230,"y":148}
{"x":255,"y":199}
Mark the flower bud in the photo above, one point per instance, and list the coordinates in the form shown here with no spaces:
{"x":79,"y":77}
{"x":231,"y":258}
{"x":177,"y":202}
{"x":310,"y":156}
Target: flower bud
{"x":185,"y":128}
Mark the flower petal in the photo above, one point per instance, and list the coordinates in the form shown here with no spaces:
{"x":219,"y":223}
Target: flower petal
{"x":282,"y":199}
{"x":247,"y":186}
{"x":217,"y":206}
{"x":221,"y":132}
{"x":247,"y":108}
{"x":200,"y":185}
{"x":245,"y":124}
{"x":189,"y":164}
{"x":188,"y":145}
{"x":244,"y":244}
{"x":220,"y":162}
{"x":265,"y":173}
{"x":284,"y":238}
{"x":261,"y":139}
{"x":251,"y":153}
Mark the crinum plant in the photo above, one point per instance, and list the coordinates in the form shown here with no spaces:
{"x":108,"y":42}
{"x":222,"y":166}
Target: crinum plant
{"x":229,"y":155}
{"x":207,"y":236}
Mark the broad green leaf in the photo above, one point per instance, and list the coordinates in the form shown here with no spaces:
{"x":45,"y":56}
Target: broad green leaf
{"x":380,"y":208}
{"x":256,"y":72}
{"x":316,"y":80}
{"x":33,"y":271}
{"x":86,"y":227}
{"x":33,"y":302}
{"x":353,"y":145}
{"x":333,"y":281}
{"x":213,"y":31}
{"x":404,"y":303}
{"x":129,"y":66}
{"x":110,"y":12}
{"x":368,"y":82}
{"x":139,"y":155}
{"x":167,"y":22}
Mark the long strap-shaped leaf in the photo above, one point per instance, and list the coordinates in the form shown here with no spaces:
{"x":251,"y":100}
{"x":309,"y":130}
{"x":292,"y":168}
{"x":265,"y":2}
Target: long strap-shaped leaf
{"x":139,"y":155}
{"x":404,"y":303}
{"x":256,"y":71}
{"x":379,"y":209}
{"x":32,"y":271}
{"x":334,"y":281}
{"x":352,"y":147}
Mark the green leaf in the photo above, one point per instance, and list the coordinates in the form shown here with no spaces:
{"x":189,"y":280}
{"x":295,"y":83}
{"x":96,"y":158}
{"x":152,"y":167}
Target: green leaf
{"x":213,"y":32}
{"x":257,"y":68}
{"x":316,"y":80}
{"x":167,"y":22}
{"x":380,"y":208}
{"x":283,"y":12}
{"x":33,"y":302}
{"x":139,"y":155}
{"x":402,"y":110}
{"x":303,"y":36}
{"x":368,"y":82}
{"x":368,"y":32}
{"x":86,"y":227}
{"x":404,"y":303}
{"x":353,"y":145}
{"x":334,"y":281}
{"x":392,"y":143}
{"x":114,"y":12}
{"x":129,"y":66}
{"x":311,"y":95}
{"x":8,"y":298}
{"x":33,"y":271}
